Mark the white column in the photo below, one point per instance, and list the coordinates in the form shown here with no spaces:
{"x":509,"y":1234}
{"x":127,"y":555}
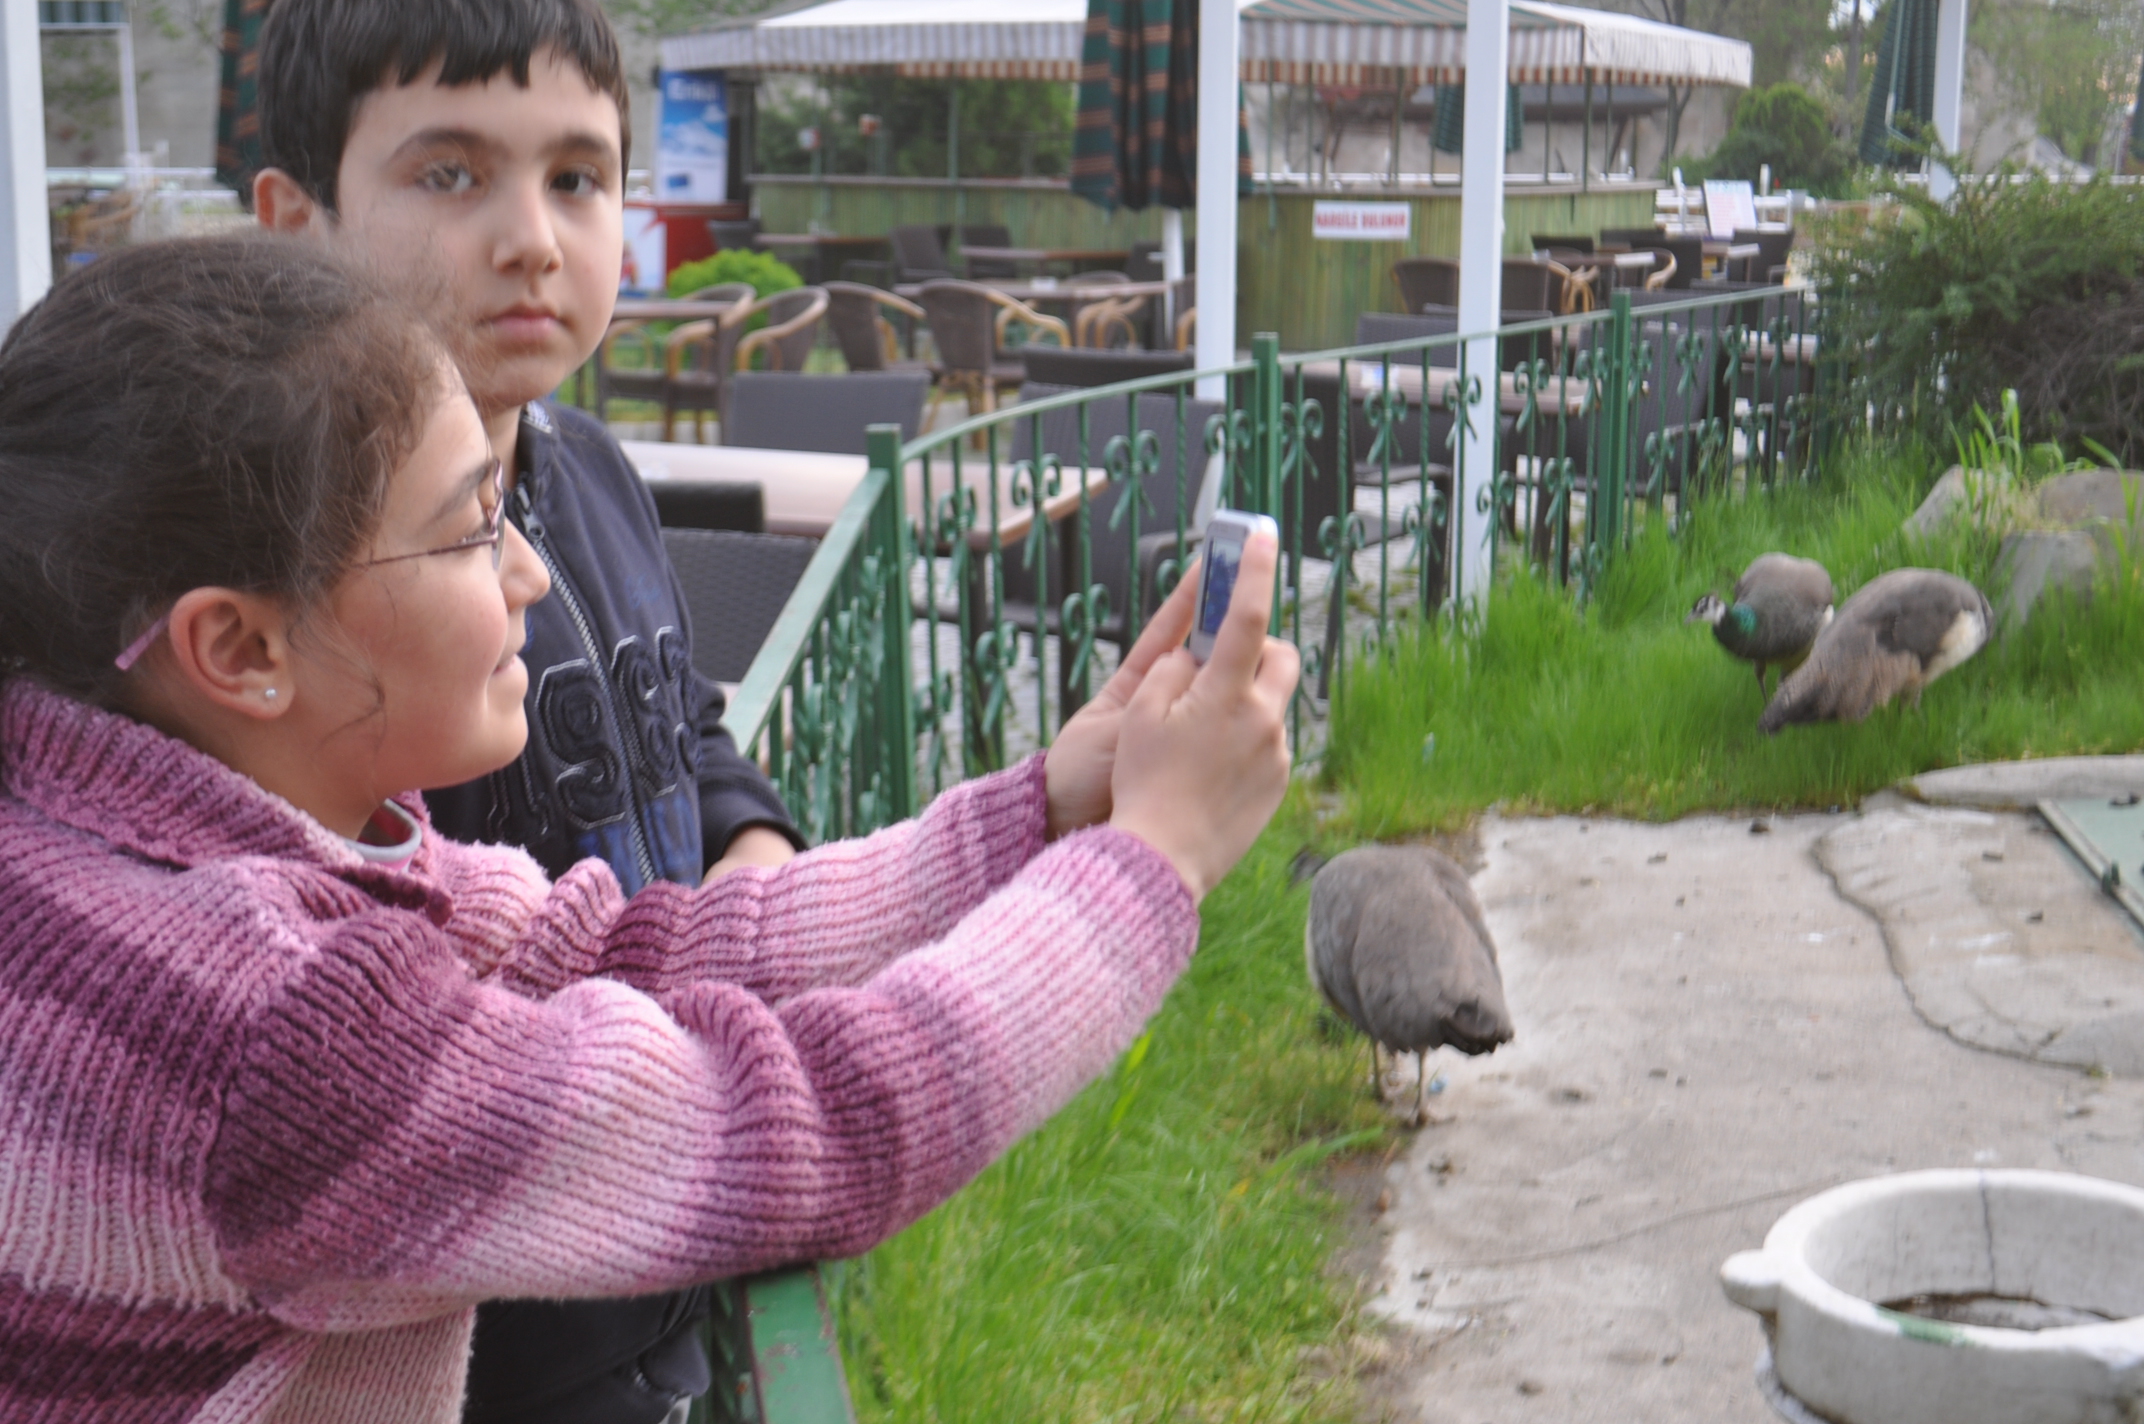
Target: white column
{"x":129,"y":105}
{"x":1481,"y":275}
{"x":1950,"y":90}
{"x":25,"y":229}
{"x":1216,"y":340}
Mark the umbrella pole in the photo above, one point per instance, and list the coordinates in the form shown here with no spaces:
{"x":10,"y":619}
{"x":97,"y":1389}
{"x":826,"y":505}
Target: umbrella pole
{"x":1585,"y":147}
{"x":1399,"y":102}
{"x":952,"y":153}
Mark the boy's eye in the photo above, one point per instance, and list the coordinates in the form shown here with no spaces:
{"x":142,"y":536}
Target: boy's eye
{"x":579,"y":183}
{"x":447,"y":178}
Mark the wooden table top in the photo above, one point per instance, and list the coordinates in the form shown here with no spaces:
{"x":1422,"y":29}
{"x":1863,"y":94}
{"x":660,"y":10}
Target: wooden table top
{"x":1047,"y":254}
{"x":804,"y":490}
{"x":1365,"y":377}
{"x":816,"y":239}
{"x":666,"y":309}
{"x":1044,"y":289}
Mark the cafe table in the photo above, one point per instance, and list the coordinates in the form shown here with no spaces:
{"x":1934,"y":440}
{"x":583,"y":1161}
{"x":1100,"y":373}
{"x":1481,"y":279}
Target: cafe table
{"x":1075,"y":256}
{"x":1034,"y":290}
{"x":1568,"y":395}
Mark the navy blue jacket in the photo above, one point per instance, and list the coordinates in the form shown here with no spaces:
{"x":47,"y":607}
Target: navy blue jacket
{"x":626,"y":761}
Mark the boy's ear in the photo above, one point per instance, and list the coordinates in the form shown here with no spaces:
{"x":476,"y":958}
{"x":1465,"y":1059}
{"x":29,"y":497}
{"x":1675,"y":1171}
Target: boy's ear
{"x":281,"y":205}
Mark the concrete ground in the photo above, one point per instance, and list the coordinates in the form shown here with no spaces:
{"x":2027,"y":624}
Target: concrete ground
{"x":1708,"y":1032}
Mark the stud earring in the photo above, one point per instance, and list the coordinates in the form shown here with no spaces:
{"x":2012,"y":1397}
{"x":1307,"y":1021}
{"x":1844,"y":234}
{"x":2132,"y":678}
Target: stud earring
{"x":268,"y":693}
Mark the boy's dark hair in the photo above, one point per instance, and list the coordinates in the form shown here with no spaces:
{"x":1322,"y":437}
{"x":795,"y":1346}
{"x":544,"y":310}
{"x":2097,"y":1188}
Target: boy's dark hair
{"x":320,"y":58}
{"x":213,"y":412}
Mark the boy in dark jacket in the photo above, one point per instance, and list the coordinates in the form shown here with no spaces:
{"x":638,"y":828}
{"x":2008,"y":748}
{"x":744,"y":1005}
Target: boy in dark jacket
{"x":480,"y":146}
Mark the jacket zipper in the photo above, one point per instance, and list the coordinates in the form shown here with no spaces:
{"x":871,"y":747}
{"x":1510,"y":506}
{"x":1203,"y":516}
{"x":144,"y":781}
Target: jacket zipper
{"x":563,"y":592}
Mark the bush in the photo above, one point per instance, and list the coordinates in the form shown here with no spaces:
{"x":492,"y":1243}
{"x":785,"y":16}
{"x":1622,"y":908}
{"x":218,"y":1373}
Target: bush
{"x":2025,"y":284}
{"x":1786,"y":128}
{"x":766,"y":273}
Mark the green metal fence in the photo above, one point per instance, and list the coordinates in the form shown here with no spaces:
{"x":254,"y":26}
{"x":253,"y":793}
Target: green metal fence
{"x":983,"y":579}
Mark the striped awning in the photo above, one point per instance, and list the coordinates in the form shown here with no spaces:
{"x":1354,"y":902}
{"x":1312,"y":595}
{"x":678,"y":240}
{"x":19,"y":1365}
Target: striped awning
{"x":1352,"y":42}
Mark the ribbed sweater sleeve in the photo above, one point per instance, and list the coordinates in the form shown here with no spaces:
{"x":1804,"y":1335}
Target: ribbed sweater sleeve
{"x":834,"y":915}
{"x":402,"y":1136}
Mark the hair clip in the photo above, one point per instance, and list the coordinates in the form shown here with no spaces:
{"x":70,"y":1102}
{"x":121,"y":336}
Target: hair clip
{"x":140,"y":645}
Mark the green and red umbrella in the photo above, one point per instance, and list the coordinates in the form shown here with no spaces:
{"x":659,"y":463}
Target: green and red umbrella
{"x":1902,"y":97}
{"x":1137,"y":135}
{"x":238,"y":121}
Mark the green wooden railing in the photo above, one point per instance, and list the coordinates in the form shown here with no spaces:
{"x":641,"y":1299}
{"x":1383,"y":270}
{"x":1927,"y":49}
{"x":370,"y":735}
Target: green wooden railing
{"x":943,"y":629}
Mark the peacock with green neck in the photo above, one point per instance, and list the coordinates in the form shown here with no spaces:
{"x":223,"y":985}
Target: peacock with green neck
{"x":1778,"y":607}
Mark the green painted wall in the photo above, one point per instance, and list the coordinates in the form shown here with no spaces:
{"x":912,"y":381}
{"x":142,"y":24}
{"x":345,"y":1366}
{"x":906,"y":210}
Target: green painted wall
{"x":1308,"y":291}
{"x":1311,"y":291}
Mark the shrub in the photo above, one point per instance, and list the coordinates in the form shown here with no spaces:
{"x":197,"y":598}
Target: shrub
{"x":2014,"y":283}
{"x":1786,"y":128}
{"x":763,"y":270}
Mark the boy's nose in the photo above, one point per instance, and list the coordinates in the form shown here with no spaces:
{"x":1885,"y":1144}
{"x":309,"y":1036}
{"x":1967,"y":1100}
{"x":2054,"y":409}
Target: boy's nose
{"x":527,"y":239}
{"x":522,"y":574}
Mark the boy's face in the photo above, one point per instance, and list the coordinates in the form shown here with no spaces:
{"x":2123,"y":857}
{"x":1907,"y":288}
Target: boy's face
{"x":511,"y":195}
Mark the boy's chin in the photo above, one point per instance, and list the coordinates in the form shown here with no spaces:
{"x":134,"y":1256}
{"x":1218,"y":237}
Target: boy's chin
{"x":514,"y":378}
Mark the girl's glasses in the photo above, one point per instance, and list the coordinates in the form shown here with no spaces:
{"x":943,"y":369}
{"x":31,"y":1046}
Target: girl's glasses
{"x":493,"y":486}
{"x":491,"y":496}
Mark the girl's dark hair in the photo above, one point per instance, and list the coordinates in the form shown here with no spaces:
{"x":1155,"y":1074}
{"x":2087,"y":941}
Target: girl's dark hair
{"x":319,"y":59}
{"x":218,"y":411}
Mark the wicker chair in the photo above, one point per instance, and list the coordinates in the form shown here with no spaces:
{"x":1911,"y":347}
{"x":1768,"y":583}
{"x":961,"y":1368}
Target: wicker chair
{"x":1426,"y":280}
{"x":648,"y":378}
{"x":970,"y":322}
{"x":868,"y":342}
{"x":703,"y":354}
{"x":918,"y":253}
{"x":986,"y":235}
{"x":1098,"y":319}
{"x":788,"y":410}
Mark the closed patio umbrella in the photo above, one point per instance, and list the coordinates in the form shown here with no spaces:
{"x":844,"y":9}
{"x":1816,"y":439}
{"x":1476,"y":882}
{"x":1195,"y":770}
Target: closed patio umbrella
{"x":238,"y":123}
{"x":2136,"y":127}
{"x":1902,"y":96}
{"x":1136,"y":138}
{"x":1451,"y":124}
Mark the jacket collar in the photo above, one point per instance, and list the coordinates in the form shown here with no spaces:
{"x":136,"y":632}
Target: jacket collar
{"x":130,"y":784}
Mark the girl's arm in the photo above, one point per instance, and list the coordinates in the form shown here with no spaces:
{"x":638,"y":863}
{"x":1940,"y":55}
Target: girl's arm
{"x":834,"y":915}
{"x":403,"y":1138}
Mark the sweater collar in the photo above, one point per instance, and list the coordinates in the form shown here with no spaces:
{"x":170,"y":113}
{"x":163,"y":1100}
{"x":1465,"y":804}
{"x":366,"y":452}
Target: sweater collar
{"x":128,"y":783}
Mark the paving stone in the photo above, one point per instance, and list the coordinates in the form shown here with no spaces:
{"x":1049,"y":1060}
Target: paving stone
{"x":2022,"y":785}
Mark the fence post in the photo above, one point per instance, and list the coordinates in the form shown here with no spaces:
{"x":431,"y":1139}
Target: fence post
{"x":897,"y":690}
{"x":1608,"y":491}
{"x":1263,"y":492}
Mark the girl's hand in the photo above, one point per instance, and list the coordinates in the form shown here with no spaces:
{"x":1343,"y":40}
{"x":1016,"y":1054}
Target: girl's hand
{"x":1201,"y":759}
{"x":1077,"y":771}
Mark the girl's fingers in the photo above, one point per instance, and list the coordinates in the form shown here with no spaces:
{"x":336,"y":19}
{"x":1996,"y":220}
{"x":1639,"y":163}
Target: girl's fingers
{"x":1278,"y":671}
{"x":1241,"y":641}
{"x":1167,"y":629}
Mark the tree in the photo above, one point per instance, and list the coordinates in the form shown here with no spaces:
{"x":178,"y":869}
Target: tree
{"x":1784,"y":35}
{"x":2070,"y":64}
{"x":1787,"y":129}
{"x":1008,"y":127}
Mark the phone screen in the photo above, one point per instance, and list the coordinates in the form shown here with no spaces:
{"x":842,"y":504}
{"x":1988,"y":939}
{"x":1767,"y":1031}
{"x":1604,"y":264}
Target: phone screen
{"x":1222,"y":558}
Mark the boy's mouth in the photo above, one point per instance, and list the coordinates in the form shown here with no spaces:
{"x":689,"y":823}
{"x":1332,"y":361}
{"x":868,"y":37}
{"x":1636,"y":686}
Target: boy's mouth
{"x":525,"y":322}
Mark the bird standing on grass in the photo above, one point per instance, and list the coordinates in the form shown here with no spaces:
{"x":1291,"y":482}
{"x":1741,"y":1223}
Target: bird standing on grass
{"x":1397,"y":945}
{"x":1780,"y":605}
{"x":1902,"y":631}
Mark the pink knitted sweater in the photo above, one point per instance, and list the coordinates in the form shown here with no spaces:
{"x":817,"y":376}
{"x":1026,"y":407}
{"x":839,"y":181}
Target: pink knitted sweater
{"x":273,"y":1120}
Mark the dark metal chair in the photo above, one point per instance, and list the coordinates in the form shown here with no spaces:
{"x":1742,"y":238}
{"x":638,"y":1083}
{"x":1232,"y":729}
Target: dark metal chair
{"x":987,"y":235}
{"x":868,"y":342}
{"x":1770,"y":263}
{"x":1572,"y":243}
{"x":740,"y":236}
{"x":1424,"y":281}
{"x":918,"y":253}
{"x":786,"y":410}
{"x":1688,"y":252}
{"x":1080,"y":366}
{"x":738,"y":506}
{"x":735,"y":587}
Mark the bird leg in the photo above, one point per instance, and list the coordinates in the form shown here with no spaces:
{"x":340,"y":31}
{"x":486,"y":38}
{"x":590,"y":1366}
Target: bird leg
{"x":1421,"y":1086}
{"x":1761,"y":690}
{"x":1376,"y":1088}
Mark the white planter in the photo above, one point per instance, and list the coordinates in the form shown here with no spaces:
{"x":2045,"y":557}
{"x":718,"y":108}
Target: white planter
{"x":2059,"y":1239}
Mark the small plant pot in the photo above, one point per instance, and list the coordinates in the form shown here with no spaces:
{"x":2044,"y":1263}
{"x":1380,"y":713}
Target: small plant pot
{"x":1862,"y":1291}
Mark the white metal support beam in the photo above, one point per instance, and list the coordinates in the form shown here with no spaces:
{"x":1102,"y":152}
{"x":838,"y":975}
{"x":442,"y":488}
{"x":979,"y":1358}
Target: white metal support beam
{"x":1481,"y":282}
{"x":1216,"y":239}
{"x":25,"y":229}
{"x":1950,"y":90}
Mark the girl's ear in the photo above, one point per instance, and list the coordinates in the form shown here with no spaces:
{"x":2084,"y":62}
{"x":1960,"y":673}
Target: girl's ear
{"x":233,"y":649}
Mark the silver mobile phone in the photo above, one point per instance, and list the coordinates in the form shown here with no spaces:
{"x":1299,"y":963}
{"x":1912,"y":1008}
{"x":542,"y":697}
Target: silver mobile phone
{"x":1219,"y":560}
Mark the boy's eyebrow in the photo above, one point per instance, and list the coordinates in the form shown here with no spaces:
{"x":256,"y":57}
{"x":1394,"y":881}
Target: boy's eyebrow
{"x":574,"y":141}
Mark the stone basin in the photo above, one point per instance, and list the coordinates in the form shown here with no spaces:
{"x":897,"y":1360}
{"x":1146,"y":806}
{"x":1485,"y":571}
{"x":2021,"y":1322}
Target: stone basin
{"x":2018,"y":1245}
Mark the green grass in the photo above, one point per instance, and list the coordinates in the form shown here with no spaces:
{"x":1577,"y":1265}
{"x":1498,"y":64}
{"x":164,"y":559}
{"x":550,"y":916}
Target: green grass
{"x":1624,"y":708}
{"x":1159,"y":1250}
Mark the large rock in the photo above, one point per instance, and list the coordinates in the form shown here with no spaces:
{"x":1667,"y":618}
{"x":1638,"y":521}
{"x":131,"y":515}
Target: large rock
{"x":1963,"y":492}
{"x":2075,"y":500}
{"x":2033,"y":561}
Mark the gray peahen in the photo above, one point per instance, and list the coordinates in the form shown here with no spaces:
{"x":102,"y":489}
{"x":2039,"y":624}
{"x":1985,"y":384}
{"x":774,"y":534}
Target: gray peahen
{"x":1900,"y":632}
{"x":1781,"y":603}
{"x":1397,"y":945}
